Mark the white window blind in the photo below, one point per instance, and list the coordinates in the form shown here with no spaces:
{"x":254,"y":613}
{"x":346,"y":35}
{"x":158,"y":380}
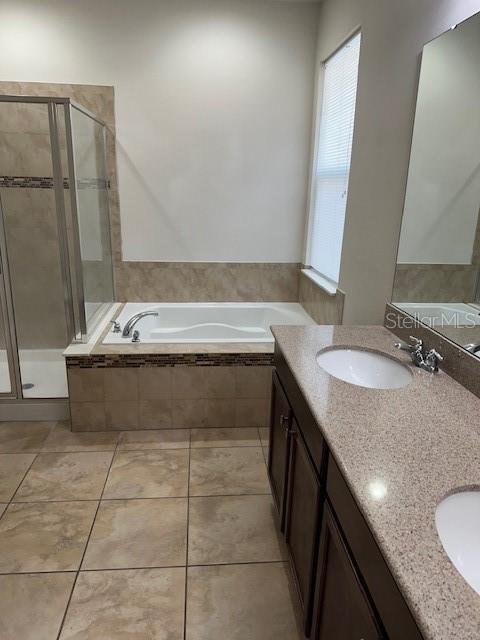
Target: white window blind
{"x":332,"y":164}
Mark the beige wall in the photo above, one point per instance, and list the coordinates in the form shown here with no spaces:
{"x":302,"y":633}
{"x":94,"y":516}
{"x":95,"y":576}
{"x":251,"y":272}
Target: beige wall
{"x":393,"y":36}
{"x":213,"y":104}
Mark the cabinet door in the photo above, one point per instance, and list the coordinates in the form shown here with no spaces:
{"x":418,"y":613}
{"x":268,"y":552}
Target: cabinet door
{"x":280,"y":420}
{"x":342,"y":608}
{"x":302,"y":520}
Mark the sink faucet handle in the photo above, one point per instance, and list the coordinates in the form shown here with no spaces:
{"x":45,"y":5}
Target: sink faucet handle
{"x":432,"y":359}
{"x":417,"y":343}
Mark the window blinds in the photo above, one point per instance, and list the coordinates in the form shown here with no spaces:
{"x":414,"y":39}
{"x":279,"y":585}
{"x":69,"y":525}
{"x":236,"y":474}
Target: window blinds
{"x":332,"y":164}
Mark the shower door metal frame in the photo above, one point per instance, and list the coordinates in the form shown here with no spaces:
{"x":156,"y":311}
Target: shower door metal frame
{"x":8,"y":317}
{"x":71,"y":265}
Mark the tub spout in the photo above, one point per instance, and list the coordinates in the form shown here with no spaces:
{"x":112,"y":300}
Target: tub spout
{"x":128,"y":328}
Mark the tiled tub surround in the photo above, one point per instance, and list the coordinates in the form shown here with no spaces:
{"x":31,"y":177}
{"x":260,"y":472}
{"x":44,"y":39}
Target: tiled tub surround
{"x":417,"y":444}
{"x":108,"y":396}
{"x":207,"y":282}
{"x":170,"y":534}
{"x":323,"y":307}
{"x":435,"y":282}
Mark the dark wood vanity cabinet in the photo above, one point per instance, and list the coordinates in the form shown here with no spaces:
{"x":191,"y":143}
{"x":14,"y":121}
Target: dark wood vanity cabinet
{"x":342,"y":608}
{"x":279,"y":446}
{"x":345,"y":589}
{"x":302,"y":518}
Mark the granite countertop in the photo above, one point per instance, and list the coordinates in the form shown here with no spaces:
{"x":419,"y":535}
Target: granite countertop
{"x":419,"y":443}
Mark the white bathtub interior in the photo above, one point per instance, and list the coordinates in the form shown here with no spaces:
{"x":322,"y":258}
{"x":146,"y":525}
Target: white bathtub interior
{"x":442,"y":314}
{"x":208,"y":322}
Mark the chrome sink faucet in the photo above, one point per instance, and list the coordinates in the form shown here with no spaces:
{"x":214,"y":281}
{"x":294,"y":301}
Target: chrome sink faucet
{"x":427,"y":361}
{"x":128,"y":328}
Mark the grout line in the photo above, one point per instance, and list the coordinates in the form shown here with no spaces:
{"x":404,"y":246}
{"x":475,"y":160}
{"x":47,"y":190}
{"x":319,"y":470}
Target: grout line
{"x":203,"y":495}
{"x":187,"y":541}
{"x":20,"y":484}
{"x":86,"y":545}
{"x":156,"y":567}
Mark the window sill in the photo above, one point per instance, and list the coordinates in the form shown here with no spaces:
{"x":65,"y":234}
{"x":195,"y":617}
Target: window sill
{"x":329,"y":287}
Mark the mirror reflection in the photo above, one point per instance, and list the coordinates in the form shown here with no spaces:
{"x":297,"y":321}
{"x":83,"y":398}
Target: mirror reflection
{"x":438,"y":263}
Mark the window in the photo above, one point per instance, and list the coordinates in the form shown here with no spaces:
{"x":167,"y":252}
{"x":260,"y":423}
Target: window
{"x":332,"y":162}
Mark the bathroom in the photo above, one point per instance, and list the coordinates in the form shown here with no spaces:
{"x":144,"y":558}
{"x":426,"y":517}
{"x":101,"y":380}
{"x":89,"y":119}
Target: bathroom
{"x":240,"y":319}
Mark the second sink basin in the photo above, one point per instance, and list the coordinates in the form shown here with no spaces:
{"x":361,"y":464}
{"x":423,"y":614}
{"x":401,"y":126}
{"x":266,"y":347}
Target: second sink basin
{"x":365,"y":368}
{"x":458,"y":524}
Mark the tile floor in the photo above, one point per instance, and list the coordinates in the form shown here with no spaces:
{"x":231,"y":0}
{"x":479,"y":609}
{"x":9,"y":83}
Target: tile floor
{"x":153,"y":535}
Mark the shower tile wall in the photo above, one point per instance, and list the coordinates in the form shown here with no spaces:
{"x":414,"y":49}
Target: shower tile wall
{"x":31,"y":227}
{"x":100,"y":101}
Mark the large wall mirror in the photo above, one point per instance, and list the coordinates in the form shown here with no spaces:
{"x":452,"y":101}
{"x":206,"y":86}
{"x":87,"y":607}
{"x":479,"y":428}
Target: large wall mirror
{"x":438,"y":263}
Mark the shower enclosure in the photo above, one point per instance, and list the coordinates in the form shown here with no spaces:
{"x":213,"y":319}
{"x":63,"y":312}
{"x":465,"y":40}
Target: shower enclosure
{"x":56,"y":279}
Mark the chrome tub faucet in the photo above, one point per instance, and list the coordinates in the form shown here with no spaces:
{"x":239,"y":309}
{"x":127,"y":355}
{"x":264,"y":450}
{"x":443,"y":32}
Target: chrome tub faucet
{"x":128,"y":328}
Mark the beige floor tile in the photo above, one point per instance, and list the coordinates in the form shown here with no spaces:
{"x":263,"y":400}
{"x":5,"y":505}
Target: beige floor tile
{"x":20,"y":437}
{"x":265,"y":454}
{"x":62,"y":439}
{"x":148,"y":474}
{"x":44,"y":596}
{"x":131,"y":534}
{"x":154,"y":439}
{"x":239,"y":470}
{"x":264,"y":433}
{"x":232,"y":437}
{"x":44,"y":536}
{"x":65,"y":476}
{"x":239,"y":602}
{"x":13,"y":467}
{"x":226,"y":530}
{"x":2,"y":509}
{"x":141,"y":604}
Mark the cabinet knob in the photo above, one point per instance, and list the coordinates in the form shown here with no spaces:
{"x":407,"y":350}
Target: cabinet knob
{"x":284,"y":422}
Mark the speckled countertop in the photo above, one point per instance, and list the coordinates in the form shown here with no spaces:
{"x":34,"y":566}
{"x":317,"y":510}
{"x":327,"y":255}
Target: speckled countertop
{"x":419,"y":444}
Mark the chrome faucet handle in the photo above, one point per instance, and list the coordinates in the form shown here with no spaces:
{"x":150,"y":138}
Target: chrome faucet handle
{"x":417,"y":343}
{"x":136,"y":336}
{"x":432,"y":359}
{"x":116,"y":328}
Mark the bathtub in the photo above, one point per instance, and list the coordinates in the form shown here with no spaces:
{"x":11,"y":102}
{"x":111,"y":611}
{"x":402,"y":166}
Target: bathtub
{"x":208,"y":322}
{"x":442,"y":314}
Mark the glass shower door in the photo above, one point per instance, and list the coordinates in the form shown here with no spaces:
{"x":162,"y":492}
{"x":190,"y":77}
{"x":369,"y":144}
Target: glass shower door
{"x":92,"y":213}
{"x":32,"y":234}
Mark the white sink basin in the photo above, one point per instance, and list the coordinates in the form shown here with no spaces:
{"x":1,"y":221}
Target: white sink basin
{"x":458,"y":525}
{"x":365,"y":368}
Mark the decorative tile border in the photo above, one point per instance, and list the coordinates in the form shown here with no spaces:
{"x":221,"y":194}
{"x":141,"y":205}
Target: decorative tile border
{"x":171,"y":360}
{"x":45,"y":182}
